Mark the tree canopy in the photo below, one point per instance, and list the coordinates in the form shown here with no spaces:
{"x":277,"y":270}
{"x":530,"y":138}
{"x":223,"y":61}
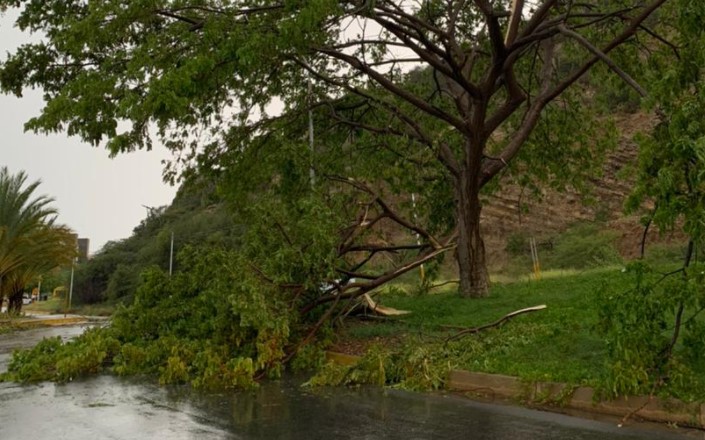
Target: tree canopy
{"x":218,"y":78}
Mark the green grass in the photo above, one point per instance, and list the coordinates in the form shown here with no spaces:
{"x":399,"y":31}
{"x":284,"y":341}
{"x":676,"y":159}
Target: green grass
{"x":559,"y":343}
{"x":52,"y":305}
{"x":58,"y":305}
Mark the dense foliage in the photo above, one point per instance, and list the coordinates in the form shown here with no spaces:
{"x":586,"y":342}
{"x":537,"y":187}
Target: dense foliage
{"x":654,"y":333}
{"x":655,"y":330}
{"x":212,"y":329}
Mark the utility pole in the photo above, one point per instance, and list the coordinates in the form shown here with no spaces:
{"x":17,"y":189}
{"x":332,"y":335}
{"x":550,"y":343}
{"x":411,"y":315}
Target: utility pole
{"x":422,"y":272}
{"x":312,"y":173}
{"x":171,"y":253}
{"x":73,"y":265}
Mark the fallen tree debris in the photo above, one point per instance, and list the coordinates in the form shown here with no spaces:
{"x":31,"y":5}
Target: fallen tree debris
{"x":497,"y":323}
{"x":371,"y":305}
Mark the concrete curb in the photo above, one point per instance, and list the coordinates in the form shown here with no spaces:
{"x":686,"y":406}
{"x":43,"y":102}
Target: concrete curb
{"x":552,"y":395}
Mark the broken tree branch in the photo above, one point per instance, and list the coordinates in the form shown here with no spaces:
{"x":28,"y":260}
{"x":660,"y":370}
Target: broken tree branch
{"x":497,"y":323}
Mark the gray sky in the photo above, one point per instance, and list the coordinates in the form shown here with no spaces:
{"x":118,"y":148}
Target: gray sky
{"x":100,"y":198}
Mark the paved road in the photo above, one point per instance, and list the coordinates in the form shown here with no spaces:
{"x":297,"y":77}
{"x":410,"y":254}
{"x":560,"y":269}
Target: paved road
{"x":27,"y":338}
{"x":107,"y":407}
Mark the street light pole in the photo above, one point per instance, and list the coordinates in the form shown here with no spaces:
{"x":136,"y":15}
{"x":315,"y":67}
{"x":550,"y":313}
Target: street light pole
{"x":68,"y":305}
{"x":171,"y":253}
{"x":312,"y":173}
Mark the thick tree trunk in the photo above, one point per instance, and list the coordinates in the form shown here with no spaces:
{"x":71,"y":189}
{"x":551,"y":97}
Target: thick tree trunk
{"x":472,"y":266}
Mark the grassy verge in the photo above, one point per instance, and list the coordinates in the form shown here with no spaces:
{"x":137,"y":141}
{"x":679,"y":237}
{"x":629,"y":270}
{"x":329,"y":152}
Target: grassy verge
{"x":560,"y":343}
{"x":58,"y":306}
{"x":53,"y":306}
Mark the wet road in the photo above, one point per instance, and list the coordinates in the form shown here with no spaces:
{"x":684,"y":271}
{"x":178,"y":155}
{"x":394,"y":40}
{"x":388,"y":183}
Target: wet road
{"x":27,"y":338}
{"x":106,"y":407}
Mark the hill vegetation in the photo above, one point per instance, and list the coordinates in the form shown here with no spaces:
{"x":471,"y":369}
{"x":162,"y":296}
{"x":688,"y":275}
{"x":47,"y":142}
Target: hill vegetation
{"x":198,"y":216}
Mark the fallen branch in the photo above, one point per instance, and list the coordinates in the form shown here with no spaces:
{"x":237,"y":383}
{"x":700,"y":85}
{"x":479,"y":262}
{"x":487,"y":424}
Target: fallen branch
{"x":497,"y":323}
{"x":368,"y":302}
{"x":435,"y":286}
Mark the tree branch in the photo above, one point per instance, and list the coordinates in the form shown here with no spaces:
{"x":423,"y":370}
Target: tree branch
{"x":402,"y":93}
{"x":490,"y":169}
{"x":357,"y":289}
{"x":514,"y":20}
{"x":497,"y":323}
{"x":602,"y":56}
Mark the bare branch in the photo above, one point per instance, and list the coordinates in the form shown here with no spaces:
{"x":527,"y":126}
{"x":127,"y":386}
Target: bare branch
{"x":533,"y":114}
{"x":377,"y":248}
{"x":402,"y":93}
{"x":517,"y":12}
{"x":356,"y":289}
{"x":607,"y":60}
{"x":663,"y":40}
{"x":497,"y":323}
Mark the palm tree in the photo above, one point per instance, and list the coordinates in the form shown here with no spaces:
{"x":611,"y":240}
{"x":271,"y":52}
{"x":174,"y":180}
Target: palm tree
{"x":51,"y":246}
{"x":30,"y":240}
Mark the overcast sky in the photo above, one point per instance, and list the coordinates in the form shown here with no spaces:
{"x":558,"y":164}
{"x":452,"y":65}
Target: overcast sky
{"x":100,"y":198}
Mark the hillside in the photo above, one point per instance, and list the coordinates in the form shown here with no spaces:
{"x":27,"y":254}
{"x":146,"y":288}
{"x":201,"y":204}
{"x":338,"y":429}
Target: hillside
{"x":197,"y":215}
{"x":511,"y":212}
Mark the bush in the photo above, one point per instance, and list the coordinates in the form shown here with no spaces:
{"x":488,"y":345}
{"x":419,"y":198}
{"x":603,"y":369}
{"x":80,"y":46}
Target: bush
{"x":517,"y":244}
{"x":52,"y":360}
{"x":214,"y":326}
{"x":638,"y":327}
{"x":664,"y":254}
{"x":583,"y":246}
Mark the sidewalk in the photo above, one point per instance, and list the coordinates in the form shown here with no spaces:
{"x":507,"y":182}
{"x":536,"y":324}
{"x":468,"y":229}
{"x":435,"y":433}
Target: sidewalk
{"x":49,"y":320}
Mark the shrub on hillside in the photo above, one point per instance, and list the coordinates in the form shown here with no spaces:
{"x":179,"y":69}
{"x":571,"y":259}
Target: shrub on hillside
{"x":581,"y":247}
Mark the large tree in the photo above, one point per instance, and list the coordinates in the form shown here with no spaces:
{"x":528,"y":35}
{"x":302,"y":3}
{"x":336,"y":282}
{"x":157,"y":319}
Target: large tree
{"x":205,"y":73}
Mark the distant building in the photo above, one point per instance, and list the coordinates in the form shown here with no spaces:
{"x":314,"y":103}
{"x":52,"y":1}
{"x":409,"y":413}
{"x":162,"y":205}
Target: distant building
{"x":83,"y":249}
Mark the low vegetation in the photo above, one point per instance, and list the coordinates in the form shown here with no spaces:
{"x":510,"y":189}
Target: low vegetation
{"x":586,"y":336}
{"x":210,"y":330}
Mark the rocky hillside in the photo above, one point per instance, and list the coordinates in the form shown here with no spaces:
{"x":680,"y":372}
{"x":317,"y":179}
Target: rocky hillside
{"x":512,"y":212}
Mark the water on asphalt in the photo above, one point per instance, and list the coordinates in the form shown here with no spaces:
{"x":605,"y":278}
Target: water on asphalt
{"x":107,"y":407}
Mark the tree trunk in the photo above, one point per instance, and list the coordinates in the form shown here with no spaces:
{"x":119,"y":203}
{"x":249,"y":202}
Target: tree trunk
{"x":14,"y":302}
{"x":472,"y":266}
